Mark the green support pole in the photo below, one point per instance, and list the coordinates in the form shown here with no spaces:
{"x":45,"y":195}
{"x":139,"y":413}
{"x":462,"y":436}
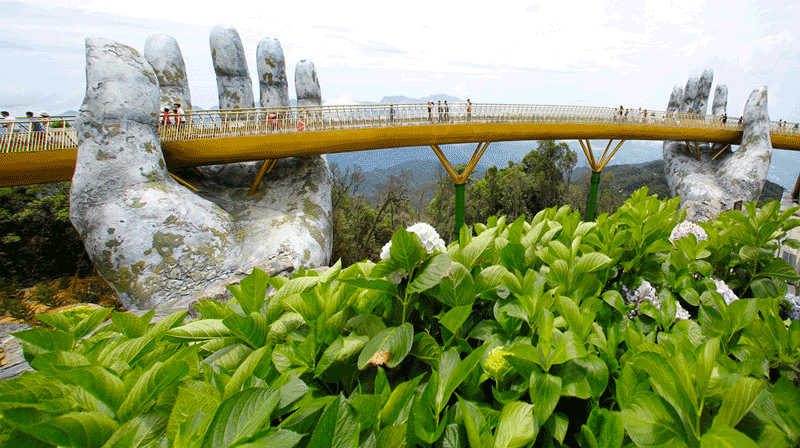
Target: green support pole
{"x":591,"y":208}
{"x":459,"y":207}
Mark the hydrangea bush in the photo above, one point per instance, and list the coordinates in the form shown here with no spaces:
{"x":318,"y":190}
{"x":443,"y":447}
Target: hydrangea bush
{"x":548,"y":332}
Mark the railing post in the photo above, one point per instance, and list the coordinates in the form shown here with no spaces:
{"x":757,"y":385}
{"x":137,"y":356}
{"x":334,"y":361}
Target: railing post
{"x":459,"y":207}
{"x":591,"y":207}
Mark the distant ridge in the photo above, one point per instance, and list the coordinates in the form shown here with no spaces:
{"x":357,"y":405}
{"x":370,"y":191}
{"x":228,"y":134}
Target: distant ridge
{"x":401,"y":99}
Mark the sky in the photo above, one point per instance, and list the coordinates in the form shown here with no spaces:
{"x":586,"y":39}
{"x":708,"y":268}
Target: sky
{"x":594,"y":53}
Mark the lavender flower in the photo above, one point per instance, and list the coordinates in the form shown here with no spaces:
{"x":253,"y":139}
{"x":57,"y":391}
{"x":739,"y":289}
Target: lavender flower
{"x":687,"y":228}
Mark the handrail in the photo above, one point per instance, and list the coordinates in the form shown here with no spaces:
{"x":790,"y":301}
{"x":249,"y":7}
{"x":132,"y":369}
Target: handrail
{"x":19,"y":135}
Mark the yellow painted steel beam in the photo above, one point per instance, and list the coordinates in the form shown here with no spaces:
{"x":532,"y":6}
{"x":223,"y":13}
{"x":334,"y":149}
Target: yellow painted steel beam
{"x":610,"y":156}
{"x":721,"y":151}
{"x":266,"y":167}
{"x":446,"y":163}
{"x":473,"y":161}
{"x":603,"y":157}
{"x":588,"y":154}
{"x":184,"y":183}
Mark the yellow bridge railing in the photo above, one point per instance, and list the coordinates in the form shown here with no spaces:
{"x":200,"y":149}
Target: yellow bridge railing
{"x":21,"y":135}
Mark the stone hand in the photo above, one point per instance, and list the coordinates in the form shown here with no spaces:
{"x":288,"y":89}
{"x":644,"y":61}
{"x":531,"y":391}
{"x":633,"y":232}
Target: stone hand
{"x":155,"y":241}
{"x":718,"y":179}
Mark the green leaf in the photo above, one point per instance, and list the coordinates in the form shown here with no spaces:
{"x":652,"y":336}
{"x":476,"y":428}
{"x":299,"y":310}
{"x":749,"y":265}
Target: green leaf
{"x":244,"y":371}
{"x":590,"y":262}
{"x":454,"y":318}
{"x":725,"y":437}
{"x":46,"y":338}
{"x":545,"y":391}
{"x":376,"y":284}
{"x":395,"y":340}
{"x":83,"y":429}
{"x":281,"y":438}
{"x":395,"y":410}
{"x":99,"y":382}
{"x":285,"y":324}
{"x":254,"y":290}
{"x":737,"y":401}
{"x":240,"y":416}
{"x":392,"y":437}
{"x":426,"y":349}
{"x":340,"y":350}
{"x":195,"y":406}
{"x":517,"y":426}
{"x":149,"y":385}
{"x":130,"y":325}
{"x":651,"y":422}
{"x":406,"y":251}
{"x":460,"y":373}
{"x":365,"y":325}
{"x":606,"y":427}
{"x":454,"y":437}
{"x":199,"y":330}
{"x":138,"y":432}
{"x":337,"y":428}
{"x":430,"y":273}
{"x":478,"y":433}
{"x":557,"y":426}
{"x":583,"y":377}
{"x":252,"y":328}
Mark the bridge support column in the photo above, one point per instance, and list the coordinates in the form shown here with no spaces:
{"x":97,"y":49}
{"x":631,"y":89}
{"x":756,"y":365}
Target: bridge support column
{"x":459,"y":207}
{"x":597,"y":167}
{"x":459,"y":180}
{"x":266,"y":167}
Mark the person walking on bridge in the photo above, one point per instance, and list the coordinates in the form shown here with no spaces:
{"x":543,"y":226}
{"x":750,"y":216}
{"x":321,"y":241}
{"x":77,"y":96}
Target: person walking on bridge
{"x":441,"y":111}
{"x":430,"y":111}
{"x":469,"y":110}
{"x":446,"y":112}
{"x":391,"y":112}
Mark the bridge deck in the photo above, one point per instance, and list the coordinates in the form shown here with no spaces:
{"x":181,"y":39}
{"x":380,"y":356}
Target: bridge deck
{"x":211,"y":137}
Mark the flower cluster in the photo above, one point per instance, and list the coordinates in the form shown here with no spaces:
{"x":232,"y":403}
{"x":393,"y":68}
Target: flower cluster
{"x":427,"y":234}
{"x":647,"y":293}
{"x":725,"y":291}
{"x":687,"y":228}
{"x":496,"y":363}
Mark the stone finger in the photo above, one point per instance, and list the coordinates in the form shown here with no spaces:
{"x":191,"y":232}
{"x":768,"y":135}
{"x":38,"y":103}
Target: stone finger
{"x":272,"y":80}
{"x":307,"y":84}
{"x":164,"y":55}
{"x":234,"y":86}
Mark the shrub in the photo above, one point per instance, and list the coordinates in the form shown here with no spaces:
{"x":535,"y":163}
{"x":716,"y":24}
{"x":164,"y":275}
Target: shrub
{"x":549,"y":332}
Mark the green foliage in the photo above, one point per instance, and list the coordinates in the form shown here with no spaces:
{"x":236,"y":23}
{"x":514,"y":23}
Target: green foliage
{"x":523,"y":333}
{"x":37,"y":240}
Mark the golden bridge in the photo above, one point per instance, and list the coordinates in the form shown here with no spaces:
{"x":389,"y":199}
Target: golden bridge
{"x":224,"y":136}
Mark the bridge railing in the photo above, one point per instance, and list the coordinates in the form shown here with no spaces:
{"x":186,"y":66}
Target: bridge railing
{"x":38,"y":134}
{"x":59,"y":132}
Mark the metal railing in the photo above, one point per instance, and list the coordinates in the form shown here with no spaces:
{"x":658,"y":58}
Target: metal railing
{"x":20,"y":135}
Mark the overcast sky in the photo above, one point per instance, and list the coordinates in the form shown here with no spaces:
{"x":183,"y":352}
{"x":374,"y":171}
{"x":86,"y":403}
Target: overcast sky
{"x":629,"y":52}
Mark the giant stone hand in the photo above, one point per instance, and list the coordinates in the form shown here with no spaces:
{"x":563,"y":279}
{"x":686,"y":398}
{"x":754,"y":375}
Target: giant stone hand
{"x":156,"y":242}
{"x":708,"y":187}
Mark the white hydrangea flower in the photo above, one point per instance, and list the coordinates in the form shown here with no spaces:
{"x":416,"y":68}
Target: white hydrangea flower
{"x":427,"y":234}
{"x":644,"y":293}
{"x":725,"y":291}
{"x":681,"y":313}
{"x":687,"y":228}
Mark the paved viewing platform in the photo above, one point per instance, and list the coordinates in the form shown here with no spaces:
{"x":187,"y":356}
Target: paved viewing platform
{"x":206,"y":137}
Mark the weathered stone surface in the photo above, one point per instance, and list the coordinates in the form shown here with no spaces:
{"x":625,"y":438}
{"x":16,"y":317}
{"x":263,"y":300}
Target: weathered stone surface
{"x":306,"y":84}
{"x":703,"y":90}
{"x":708,"y":186}
{"x":164,"y":55}
{"x":720,"y":104}
{"x":234,"y":87}
{"x":272,"y":73}
{"x":157,"y":243}
{"x":675,"y":99}
{"x":689,"y":95}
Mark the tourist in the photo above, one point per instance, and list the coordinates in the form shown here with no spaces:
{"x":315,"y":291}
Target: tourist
{"x":391,"y":112}
{"x":7,"y":124}
{"x":740,"y":122}
{"x":620,"y":111}
{"x":469,"y":110}
{"x":165,"y":117}
{"x":724,"y":118}
{"x":441,"y":111}
{"x":181,"y":115}
{"x":430,"y":111}
{"x":645,"y":115}
{"x":446,"y":112}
